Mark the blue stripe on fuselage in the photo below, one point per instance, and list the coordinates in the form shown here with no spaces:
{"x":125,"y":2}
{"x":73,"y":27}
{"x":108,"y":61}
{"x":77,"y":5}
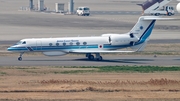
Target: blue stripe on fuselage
{"x":59,"y":48}
{"x":17,"y":49}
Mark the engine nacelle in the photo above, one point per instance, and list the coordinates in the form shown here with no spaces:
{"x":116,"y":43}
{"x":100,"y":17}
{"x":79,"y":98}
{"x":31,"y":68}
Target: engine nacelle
{"x":54,"y":53}
{"x":123,"y":39}
{"x":178,"y":7}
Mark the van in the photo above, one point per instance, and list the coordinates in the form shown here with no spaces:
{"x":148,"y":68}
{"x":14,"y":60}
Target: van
{"x":83,"y":11}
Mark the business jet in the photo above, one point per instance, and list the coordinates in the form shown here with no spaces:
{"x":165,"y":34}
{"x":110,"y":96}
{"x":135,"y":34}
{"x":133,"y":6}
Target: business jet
{"x":136,"y":39}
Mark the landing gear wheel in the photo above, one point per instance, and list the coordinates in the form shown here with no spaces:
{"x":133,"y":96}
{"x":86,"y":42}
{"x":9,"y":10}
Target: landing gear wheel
{"x":157,"y":14}
{"x":100,"y":58}
{"x":20,"y":58}
{"x":169,"y":14}
{"x":91,"y":57}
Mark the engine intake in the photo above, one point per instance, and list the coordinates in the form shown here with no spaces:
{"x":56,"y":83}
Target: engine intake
{"x":131,"y":35}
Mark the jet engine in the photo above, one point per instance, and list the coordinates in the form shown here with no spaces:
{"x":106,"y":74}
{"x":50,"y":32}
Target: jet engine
{"x":121,"y":39}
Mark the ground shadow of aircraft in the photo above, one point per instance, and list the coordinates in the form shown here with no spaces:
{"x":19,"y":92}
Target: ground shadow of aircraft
{"x":134,"y":61}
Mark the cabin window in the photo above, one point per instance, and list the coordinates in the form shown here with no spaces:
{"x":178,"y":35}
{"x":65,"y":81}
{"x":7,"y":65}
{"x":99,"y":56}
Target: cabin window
{"x":57,"y":44}
{"x":71,"y":43}
{"x":50,"y":44}
{"x":77,"y":43}
{"x":64,"y":44}
{"x":84,"y":43}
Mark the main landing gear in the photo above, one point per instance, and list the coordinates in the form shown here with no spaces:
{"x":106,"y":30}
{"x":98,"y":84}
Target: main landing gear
{"x":20,"y":56}
{"x":91,"y":57}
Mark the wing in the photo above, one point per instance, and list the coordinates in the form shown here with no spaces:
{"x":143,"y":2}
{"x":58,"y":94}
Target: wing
{"x":99,"y":51}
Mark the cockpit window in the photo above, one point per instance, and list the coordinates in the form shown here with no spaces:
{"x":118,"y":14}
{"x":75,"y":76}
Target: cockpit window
{"x":24,"y":42}
{"x":18,"y":43}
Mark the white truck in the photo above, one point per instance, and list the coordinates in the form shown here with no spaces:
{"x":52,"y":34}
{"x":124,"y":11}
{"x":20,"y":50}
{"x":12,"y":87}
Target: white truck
{"x":157,"y":7}
{"x":83,"y":11}
{"x":167,"y":10}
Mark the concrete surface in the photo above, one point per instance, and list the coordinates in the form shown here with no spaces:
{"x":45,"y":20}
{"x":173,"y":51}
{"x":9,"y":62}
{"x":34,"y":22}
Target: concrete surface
{"x":82,"y":61}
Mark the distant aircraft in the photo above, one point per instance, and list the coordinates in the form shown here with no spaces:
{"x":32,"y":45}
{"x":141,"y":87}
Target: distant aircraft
{"x":136,"y":39}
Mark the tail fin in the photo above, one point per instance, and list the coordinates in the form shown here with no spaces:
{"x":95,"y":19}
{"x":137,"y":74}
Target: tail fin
{"x":143,"y":29}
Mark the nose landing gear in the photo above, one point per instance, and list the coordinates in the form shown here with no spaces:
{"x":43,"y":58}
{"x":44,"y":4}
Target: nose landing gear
{"x":20,"y":56}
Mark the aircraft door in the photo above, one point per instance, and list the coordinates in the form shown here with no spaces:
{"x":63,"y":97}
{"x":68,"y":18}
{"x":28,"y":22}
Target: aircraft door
{"x":38,"y":45}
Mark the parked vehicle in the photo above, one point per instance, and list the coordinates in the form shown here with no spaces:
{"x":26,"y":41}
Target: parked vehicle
{"x":83,"y":11}
{"x":157,"y":7}
{"x":167,"y":10}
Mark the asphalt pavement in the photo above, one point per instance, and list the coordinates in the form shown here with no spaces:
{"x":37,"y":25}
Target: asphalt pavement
{"x":82,"y":61}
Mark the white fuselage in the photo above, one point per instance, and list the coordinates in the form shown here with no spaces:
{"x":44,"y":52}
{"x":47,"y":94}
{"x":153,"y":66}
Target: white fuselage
{"x":61,"y":46}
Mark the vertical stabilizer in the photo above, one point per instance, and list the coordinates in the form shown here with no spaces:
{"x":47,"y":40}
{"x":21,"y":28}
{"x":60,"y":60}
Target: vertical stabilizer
{"x":142,"y":30}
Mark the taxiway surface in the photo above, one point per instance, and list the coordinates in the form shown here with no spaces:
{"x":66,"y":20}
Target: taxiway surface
{"x":81,"y":61}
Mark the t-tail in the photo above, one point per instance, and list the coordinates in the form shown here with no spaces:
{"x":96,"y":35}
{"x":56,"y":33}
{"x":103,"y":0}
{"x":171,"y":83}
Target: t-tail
{"x":142,"y":30}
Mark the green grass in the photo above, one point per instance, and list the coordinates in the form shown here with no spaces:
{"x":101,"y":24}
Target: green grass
{"x":77,"y":71}
{"x":137,"y":69}
{"x":19,"y":67}
{"x":127,"y":69}
{"x":2,"y":73}
{"x":26,"y":68}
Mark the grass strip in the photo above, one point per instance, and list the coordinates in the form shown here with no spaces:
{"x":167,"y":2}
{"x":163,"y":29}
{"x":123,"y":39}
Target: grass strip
{"x":106,"y":69}
{"x":2,"y":73}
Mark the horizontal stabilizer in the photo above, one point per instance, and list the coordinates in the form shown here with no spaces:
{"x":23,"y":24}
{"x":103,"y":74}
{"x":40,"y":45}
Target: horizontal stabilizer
{"x":159,"y":18}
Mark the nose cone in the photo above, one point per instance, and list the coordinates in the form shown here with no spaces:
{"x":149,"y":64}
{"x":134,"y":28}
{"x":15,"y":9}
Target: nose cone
{"x":9,"y":49}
